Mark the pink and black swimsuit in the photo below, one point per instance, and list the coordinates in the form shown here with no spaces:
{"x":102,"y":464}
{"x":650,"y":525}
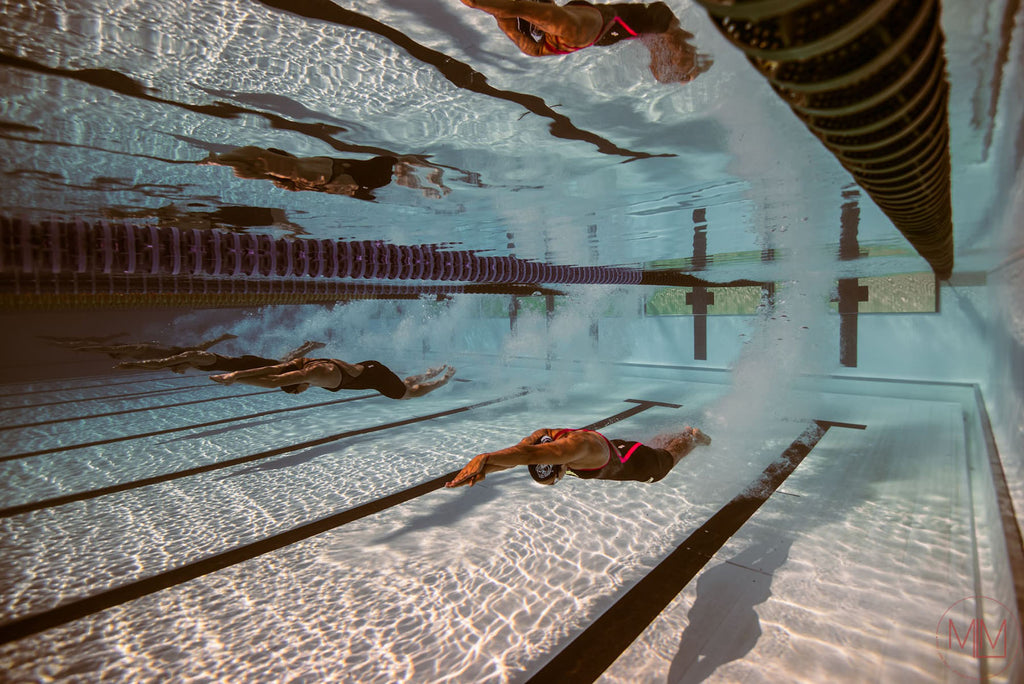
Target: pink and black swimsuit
{"x":627,"y":460}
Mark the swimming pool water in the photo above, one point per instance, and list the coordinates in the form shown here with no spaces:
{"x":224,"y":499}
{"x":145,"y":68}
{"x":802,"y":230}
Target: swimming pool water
{"x":155,"y":526}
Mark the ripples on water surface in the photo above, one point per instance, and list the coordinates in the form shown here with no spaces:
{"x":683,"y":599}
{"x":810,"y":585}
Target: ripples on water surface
{"x":106,"y":108}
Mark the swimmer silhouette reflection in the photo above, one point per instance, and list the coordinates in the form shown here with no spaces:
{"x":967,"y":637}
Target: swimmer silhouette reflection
{"x":356,"y":178}
{"x":541,"y":28}
{"x":132,"y":350}
{"x":209,"y":361}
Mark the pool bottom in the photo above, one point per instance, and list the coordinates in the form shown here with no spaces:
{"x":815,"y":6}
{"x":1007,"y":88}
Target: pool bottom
{"x":843,"y":573}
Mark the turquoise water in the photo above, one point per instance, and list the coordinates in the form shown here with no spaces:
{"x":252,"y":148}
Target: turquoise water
{"x":581,"y":160}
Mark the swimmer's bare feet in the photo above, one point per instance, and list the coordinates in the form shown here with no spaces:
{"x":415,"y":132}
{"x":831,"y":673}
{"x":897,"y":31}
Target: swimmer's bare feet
{"x":224,"y":378}
{"x":697,"y":436}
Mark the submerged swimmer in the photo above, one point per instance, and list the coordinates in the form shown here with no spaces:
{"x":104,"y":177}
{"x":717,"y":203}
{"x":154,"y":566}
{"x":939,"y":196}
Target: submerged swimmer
{"x":587,"y":454}
{"x":356,"y":178}
{"x":209,"y":361}
{"x":302,"y":373}
{"x":541,"y":28}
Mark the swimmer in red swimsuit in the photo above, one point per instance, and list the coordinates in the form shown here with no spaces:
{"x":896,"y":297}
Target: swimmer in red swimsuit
{"x":541,"y":28}
{"x":587,"y":454}
{"x":333,"y":375}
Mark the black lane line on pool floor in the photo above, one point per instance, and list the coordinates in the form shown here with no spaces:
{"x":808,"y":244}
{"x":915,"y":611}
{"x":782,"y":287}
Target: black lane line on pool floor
{"x":74,"y":610}
{"x":109,"y":397}
{"x":168,"y":431}
{"x":210,"y":467}
{"x":136,"y":410}
{"x":601,"y":643}
{"x":134,"y":380}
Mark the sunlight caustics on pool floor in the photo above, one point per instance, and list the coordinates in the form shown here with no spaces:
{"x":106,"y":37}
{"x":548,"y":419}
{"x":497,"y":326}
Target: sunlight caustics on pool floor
{"x":164,"y":528}
{"x":254,"y":569}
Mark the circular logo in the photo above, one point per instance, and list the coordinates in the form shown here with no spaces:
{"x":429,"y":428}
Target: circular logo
{"x":977,"y":637}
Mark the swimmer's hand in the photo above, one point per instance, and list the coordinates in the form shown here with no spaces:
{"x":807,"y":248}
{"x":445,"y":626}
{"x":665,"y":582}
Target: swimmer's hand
{"x":471,"y":474}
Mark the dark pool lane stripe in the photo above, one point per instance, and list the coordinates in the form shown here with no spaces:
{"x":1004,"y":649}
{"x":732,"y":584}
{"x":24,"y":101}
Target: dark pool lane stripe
{"x":642,"y":405}
{"x":125,"y":438}
{"x":75,"y":610}
{"x":219,"y":465}
{"x":600,"y":644}
{"x":136,"y":410}
{"x":99,"y":385}
{"x":108,"y":397}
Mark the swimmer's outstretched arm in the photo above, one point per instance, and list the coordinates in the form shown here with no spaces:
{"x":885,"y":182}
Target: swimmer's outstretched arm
{"x":582,"y":449}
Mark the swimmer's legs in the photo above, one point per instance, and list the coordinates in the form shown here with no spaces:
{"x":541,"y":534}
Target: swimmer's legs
{"x":298,"y":372}
{"x":247,"y":376}
{"x":270,"y":381}
{"x":681,"y":443}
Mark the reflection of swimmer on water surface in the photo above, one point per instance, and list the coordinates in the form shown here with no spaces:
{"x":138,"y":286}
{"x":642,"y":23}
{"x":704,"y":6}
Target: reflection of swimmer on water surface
{"x":541,"y":28}
{"x":148,"y":350}
{"x":209,"y":361}
{"x":64,"y":341}
{"x":333,"y":375}
{"x":356,"y":178}
{"x":587,"y":454}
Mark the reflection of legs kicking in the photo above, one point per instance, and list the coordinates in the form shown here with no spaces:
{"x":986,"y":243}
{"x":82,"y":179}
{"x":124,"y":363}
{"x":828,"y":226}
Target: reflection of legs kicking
{"x":128,"y":349}
{"x":302,"y":350}
{"x":206,"y":344}
{"x":79,"y":341}
{"x":149,"y":350}
{"x":191,"y":359}
{"x":416,"y":387}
